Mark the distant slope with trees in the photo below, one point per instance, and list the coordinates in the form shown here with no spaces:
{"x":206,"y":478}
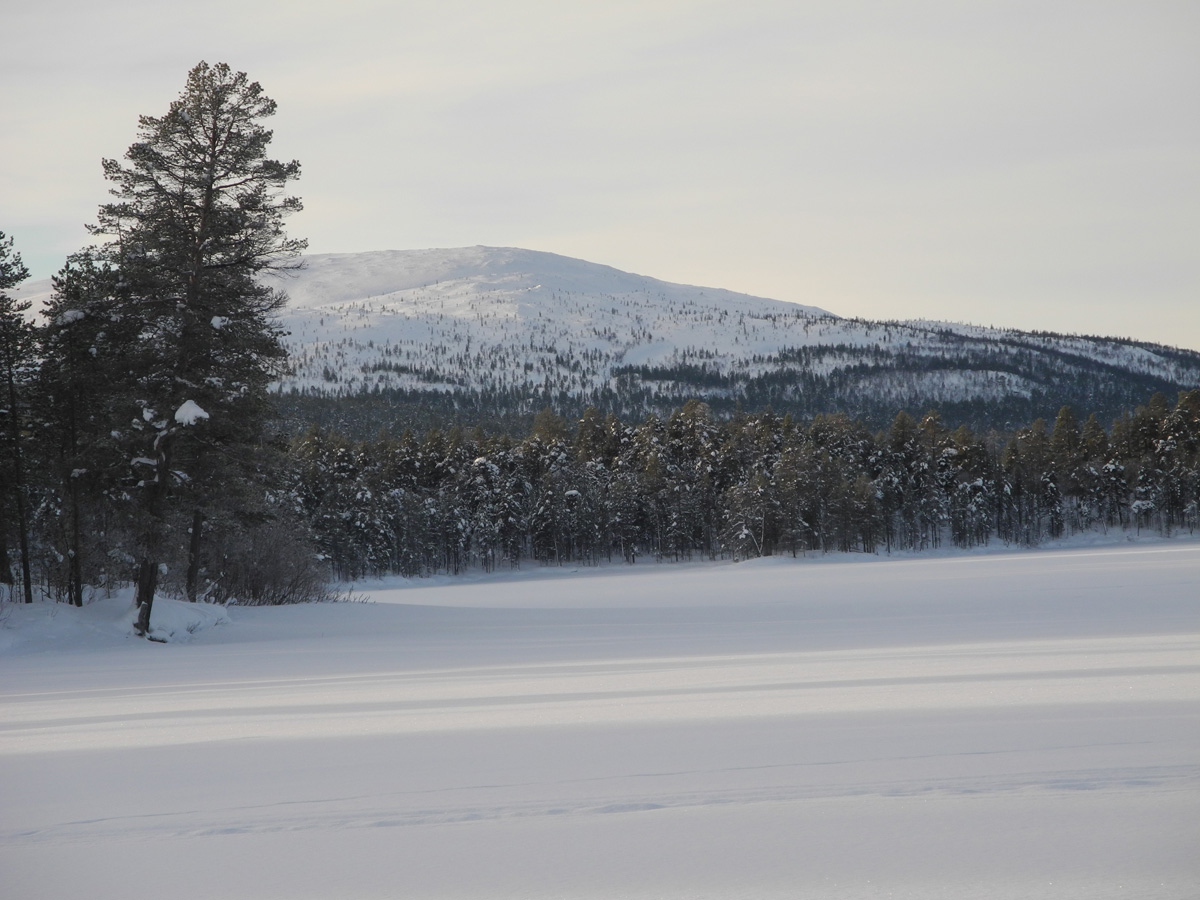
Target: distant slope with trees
{"x":492,"y":335}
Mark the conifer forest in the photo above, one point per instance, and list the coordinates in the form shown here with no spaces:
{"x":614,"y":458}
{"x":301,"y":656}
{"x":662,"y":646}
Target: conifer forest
{"x":692,"y":487}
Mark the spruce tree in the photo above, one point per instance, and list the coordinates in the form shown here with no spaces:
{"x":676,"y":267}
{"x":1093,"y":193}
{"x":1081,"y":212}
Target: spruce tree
{"x":198,"y":214}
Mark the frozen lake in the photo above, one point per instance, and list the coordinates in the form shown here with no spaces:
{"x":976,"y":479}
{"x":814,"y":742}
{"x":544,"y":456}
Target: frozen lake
{"x":1005,"y":725}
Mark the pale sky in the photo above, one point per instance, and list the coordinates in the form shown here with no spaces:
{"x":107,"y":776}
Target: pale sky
{"x":1027,"y":164}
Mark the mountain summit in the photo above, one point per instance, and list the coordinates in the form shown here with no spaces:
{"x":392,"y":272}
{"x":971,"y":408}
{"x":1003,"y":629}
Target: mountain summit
{"x":495,"y":272}
{"x":489,"y":319}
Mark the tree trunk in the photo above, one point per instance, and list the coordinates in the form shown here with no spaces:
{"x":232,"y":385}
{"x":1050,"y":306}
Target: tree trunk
{"x":193,"y":569}
{"x":147,"y":582}
{"x":75,"y":576}
{"x":18,"y":481}
{"x":6,"y":575}
{"x":26,"y":577}
{"x":152,"y":537}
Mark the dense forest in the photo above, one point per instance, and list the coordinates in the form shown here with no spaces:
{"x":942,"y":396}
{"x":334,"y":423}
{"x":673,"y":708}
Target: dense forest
{"x":690,"y":486}
{"x":598,"y":490}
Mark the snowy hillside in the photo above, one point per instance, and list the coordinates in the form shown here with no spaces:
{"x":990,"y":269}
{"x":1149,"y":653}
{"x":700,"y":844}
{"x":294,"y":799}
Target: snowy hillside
{"x":500,"y":318}
{"x":486,"y":331}
{"x":505,"y":329}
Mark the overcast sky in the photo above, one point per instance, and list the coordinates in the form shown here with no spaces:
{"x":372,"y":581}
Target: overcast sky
{"x":1035,"y":165}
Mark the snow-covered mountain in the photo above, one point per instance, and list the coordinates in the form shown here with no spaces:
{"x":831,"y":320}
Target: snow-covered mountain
{"x":507,"y":330}
{"x":481,"y":332}
{"x":500,"y":318}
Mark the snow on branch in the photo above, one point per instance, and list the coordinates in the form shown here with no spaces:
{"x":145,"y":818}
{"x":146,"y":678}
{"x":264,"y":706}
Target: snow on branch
{"x":189,"y":413}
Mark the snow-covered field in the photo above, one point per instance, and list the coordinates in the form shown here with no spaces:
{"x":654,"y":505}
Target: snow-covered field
{"x":991,"y":726}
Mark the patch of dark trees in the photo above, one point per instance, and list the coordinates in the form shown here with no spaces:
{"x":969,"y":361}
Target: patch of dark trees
{"x":1013,"y":381}
{"x":693,"y":486}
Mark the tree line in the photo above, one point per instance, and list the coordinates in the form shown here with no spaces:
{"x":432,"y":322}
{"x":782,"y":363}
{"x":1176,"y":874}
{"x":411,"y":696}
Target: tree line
{"x":692,"y":486}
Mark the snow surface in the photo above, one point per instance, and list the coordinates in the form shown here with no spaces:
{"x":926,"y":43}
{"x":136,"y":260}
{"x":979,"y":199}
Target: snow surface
{"x":1003,"y":725}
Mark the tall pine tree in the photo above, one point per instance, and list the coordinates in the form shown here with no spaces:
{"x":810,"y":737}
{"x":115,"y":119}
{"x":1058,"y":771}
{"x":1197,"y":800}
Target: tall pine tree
{"x":198,"y":213}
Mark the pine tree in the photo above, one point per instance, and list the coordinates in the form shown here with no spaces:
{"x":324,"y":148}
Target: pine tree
{"x":901,"y":470}
{"x":1088,"y":477}
{"x":198,"y":214}
{"x":81,"y":346}
{"x":17,"y":350}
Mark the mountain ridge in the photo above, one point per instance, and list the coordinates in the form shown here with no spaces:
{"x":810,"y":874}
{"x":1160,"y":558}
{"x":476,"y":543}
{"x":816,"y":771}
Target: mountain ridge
{"x":487,"y":333}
